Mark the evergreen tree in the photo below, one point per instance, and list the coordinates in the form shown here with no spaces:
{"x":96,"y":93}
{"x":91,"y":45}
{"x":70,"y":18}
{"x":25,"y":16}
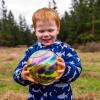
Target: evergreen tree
{"x":3,"y":21}
{"x":64,"y":27}
{"x":11,"y":33}
{"x":25,"y":36}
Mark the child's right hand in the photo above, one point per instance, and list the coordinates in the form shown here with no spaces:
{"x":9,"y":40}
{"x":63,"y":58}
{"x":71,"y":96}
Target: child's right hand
{"x":25,"y":75}
{"x":61,"y":69}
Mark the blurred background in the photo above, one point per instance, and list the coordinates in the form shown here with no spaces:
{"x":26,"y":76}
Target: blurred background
{"x":80,"y":27}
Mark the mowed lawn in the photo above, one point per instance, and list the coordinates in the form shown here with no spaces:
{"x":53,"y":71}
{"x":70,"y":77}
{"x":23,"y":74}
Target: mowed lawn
{"x":86,"y":87}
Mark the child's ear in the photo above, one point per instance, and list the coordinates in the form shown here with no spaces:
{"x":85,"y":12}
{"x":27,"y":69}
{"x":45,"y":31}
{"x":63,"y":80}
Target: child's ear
{"x":58,"y":30}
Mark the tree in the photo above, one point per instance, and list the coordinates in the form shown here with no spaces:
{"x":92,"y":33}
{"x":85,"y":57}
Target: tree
{"x":64,"y":27}
{"x":11,"y":32}
{"x":25,"y":36}
{"x":53,"y":5}
{"x":3,"y":21}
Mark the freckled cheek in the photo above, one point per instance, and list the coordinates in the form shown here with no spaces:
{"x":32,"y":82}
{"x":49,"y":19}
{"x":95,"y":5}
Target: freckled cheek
{"x":38,"y":35}
{"x":53,"y":36}
{"x":39,"y":38}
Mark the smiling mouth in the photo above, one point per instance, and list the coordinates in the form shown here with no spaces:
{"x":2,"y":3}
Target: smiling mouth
{"x":46,"y":39}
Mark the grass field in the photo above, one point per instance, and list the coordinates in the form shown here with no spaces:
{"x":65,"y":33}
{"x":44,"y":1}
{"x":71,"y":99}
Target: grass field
{"x":86,"y":87}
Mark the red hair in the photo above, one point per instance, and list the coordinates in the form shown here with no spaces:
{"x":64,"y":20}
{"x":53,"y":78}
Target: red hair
{"x":46,"y":14}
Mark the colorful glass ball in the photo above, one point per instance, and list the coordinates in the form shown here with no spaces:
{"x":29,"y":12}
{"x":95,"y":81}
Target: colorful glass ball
{"x":42,"y":67}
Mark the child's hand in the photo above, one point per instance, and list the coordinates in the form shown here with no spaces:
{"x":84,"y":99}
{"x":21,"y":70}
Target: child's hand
{"x":25,"y":75}
{"x":61,"y":69}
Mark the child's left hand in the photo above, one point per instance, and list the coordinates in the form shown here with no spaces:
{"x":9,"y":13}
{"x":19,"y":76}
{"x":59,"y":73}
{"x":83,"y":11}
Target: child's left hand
{"x":61,"y":68}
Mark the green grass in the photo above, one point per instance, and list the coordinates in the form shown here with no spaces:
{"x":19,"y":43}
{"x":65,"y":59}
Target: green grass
{"x":7,"y":66}
{"x":6,"y":79}
{"x":89,"y":81}
{"x":85,"y":85}
{"x":93,"y":67}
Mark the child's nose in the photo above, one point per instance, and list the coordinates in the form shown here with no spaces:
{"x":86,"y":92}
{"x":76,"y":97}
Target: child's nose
{"x":46,"y":33}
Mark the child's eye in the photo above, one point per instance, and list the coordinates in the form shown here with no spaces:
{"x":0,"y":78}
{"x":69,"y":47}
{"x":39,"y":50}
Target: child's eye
{"x":41,"y":31}
{"x":50,"y":30}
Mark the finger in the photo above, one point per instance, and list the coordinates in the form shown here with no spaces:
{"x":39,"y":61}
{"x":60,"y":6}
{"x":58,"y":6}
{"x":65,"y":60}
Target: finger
{"x":30,"y":79}
{"x":26,"y":72}
{"x":25,"y":67}
{"x":62,"y":65}
{"x":58,"y":77}
{"x":60,"y":71}
{"x":29,"y":61}
{"x":60,"y":59}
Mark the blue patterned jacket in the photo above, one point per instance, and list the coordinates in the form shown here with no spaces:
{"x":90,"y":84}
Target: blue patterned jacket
{"x":61,"y":89}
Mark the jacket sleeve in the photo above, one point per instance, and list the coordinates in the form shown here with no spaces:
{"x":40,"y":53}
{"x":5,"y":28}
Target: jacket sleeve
{"x":73,"y":67}
{"x":19,"y":68}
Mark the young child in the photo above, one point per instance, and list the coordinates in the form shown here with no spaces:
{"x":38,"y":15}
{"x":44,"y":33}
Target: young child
{"x":46,"y":23}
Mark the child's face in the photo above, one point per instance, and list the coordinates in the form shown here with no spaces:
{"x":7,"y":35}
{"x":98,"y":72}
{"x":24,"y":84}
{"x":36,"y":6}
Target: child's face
{"x":46,"y":32}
